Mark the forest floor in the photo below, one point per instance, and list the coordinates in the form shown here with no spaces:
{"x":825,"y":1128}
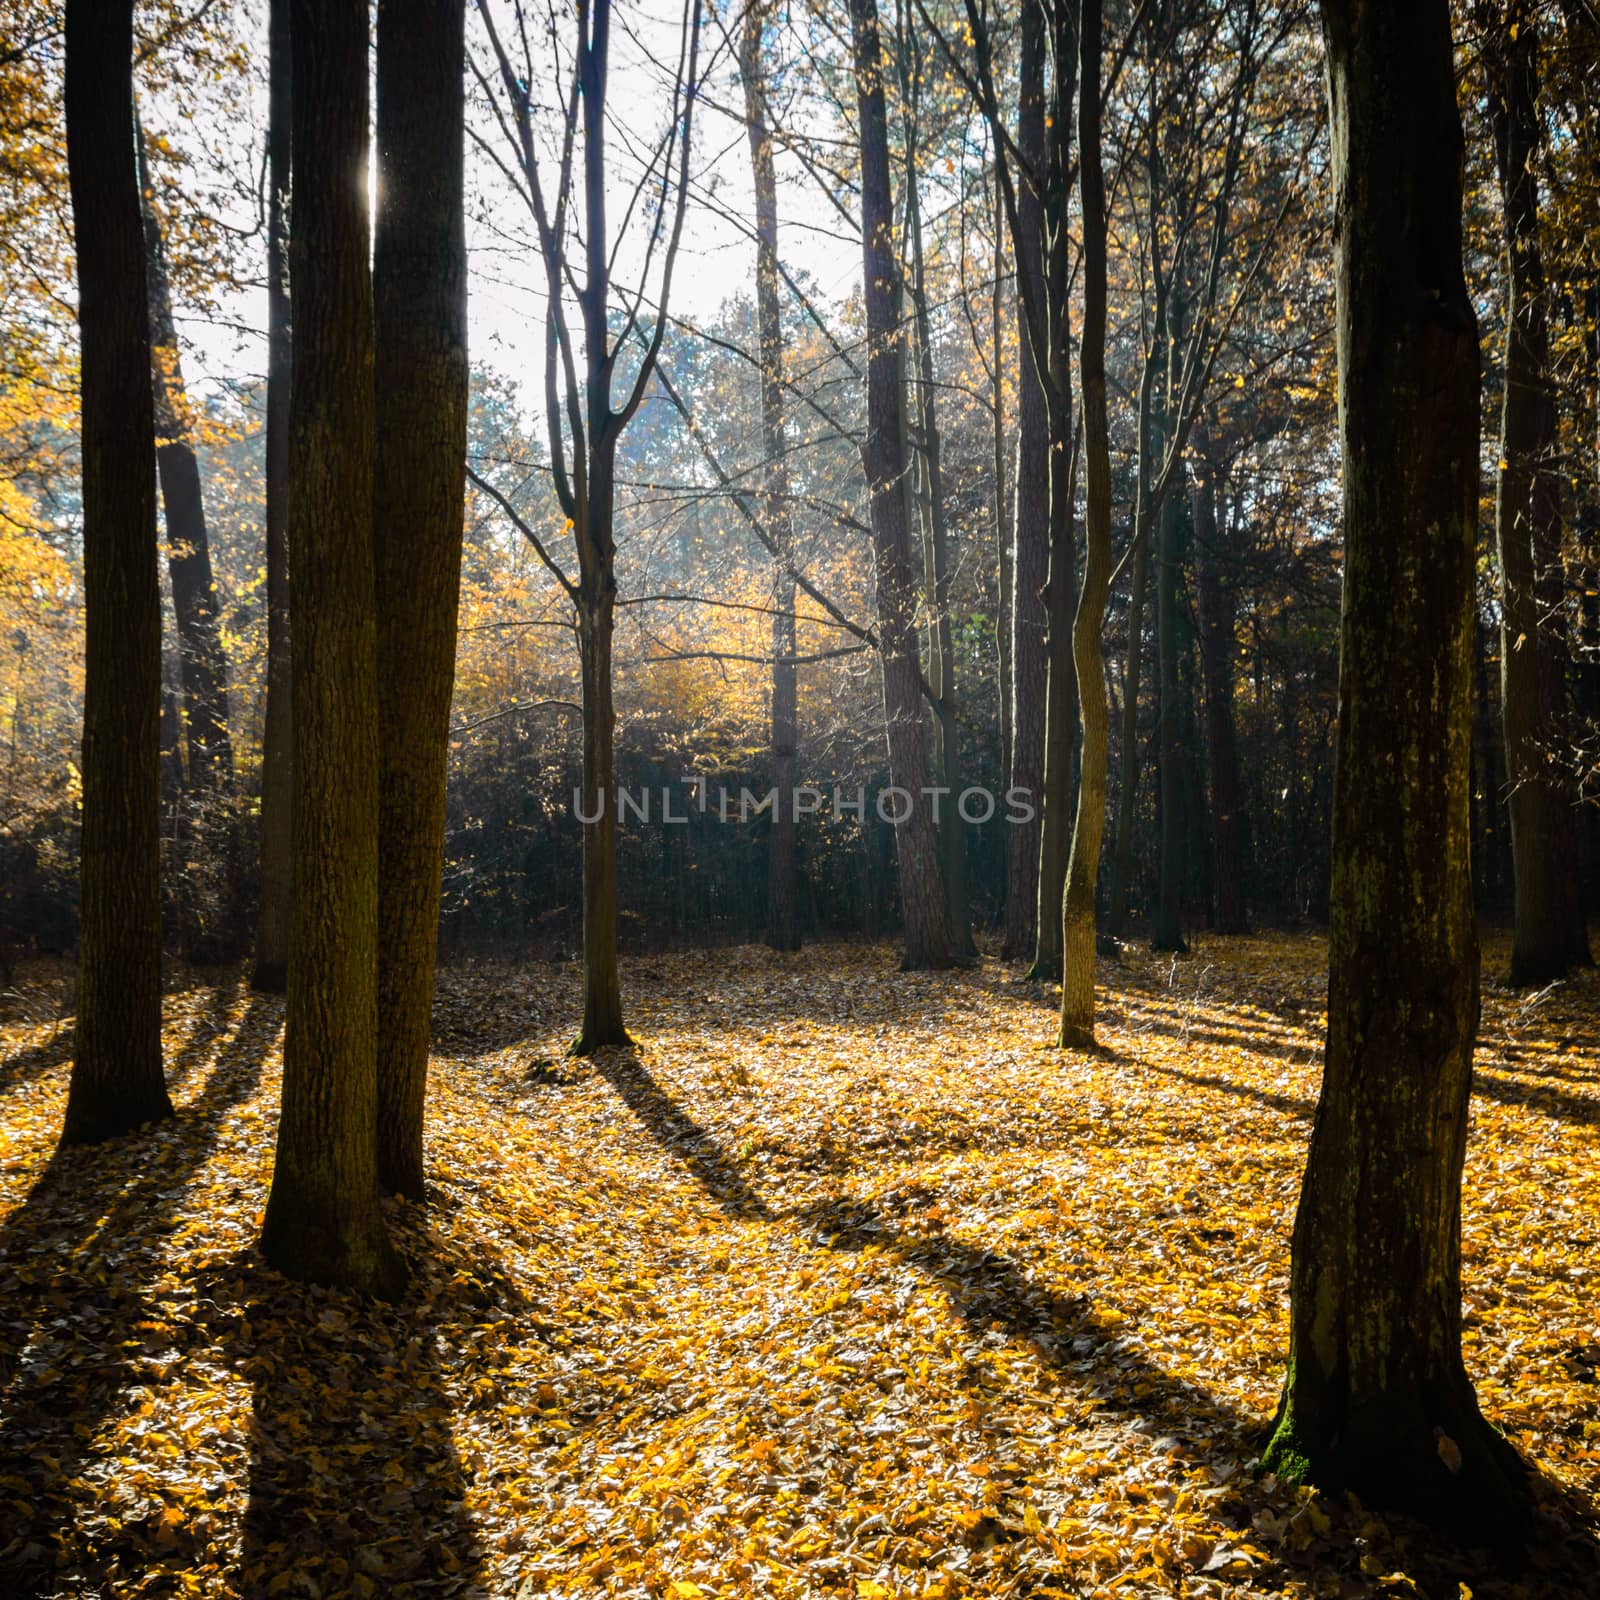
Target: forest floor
{"x":840,"y":1284}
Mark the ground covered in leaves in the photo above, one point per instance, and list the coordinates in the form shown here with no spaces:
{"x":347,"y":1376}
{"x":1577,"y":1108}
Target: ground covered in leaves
{"x":839,"y":1285}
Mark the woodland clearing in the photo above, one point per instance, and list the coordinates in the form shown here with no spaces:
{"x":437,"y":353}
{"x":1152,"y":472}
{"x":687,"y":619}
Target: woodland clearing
{"x":840,"y":1284}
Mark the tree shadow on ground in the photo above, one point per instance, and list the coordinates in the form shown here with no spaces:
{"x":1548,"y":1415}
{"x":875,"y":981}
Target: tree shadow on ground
{"x":680,"y":1135}
{"x":1582,"y":1109}
{"x":1092,"y":1353}
{"x":355,"y":1483}
{"x":79,"y":1338}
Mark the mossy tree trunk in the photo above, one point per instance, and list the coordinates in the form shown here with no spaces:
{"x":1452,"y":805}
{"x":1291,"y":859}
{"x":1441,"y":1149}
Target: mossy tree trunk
{"x":323,"y":1223}
{"x":271,"y":970}
{"x":1377,"y":1399}
{"x":117,"y":1081}
{"x":420,"y":365}
{"x":1083,"y":867}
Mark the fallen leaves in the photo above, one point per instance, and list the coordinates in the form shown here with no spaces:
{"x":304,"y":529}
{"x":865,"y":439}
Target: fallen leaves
{"x":841,"y":1286}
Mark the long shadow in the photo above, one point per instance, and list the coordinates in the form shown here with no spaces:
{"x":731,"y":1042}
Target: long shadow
{"x":77,"y":1260}
{"x":22,"y":1066}
{"x":1288,"y":1105}
{"x":1584,"y":1110}
{"x":353,"y":1463}
{"x":1091,"y":1352}
{"x":680,"y":1135}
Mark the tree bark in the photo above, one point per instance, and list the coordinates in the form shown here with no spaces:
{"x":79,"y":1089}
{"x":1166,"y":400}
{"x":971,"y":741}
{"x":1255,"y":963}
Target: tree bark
{"x":420,"y":369}
{"x":201,"y":659}
{"x":323,"y":1223}
{"x":1550,"y":935}
{"x":1083,"y":867}
{"x":1377,"y":1398}
{"x":1214,"y":601}
{"x":1030,"y":564}
{"x":922,"y":905}
{"x":783,"y":929}
{"x":117,"y":1080}
{"x":271,"y":970}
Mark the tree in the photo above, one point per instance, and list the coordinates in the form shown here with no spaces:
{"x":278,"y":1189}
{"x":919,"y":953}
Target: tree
{"x":117,"y":1081}
{"x":323,"y":1223}
{"x":1083,"y":866}
{"x":202,"y":662}
{"x":883,"y":457}
{"x":420,"y":336}
{"x":1376,"y":1398}
{"x":584,"y":427}
{"x":783,"y":932}
{"x":270,"y":973}
{"x":1030,"y":534}
{"x":1549,"y":932}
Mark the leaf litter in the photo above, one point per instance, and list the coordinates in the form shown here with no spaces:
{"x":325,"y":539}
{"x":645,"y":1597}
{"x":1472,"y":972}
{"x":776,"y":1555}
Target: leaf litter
{"x":839,"y":1285}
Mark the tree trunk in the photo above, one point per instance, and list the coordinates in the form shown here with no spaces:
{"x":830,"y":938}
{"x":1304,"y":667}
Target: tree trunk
{"x":1030,"y":562}
{"x":117,"y":1081}
{"x":1150,"y":439}
{"x":271,"y":970}
{"x":1377,"y":1399}
{"x":201,"y":659}
{"x":602,"y":982}
{"x":936,"y":566}
{"x":1549,"y":924}
{"x":883,"y":458}
{"x":783,"y":928}
{"x":1167,"y":933}
{"x":323,"y":1223}
{"x":420,"y":370}
{"x":1218,"y":647}
{"x":1083,"y":867}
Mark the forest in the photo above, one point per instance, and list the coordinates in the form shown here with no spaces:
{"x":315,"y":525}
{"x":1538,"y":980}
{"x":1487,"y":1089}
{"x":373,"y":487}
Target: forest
{"x":799,"y":798}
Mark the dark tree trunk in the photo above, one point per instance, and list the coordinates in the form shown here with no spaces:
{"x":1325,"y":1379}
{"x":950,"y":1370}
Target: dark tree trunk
{"x":1377,"y":1399}
{"x":323,"y":1223}
{"x":1150,"y":440}
{"x":783,"y":927}
{"x":1550,"y":935}
{"x":420,"y":367}
{"x":1030,"y":562}
{"x":271,"y":970}
{"x":927,"y":941}
{"x":201,"y":659}
{"x":1214,"y":601}
{"x":602,"y":980}
{"x":1083,"y":867}
{"x":1167,"y":934}
{"x":117,"y":1080}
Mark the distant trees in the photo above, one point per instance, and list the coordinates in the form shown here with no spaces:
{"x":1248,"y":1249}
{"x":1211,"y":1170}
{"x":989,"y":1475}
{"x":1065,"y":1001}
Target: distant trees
{"x":420,"y":316}
{"x":323,"y":1222}
{"x":1376,"y":1397}
{"x":117,"y":1081}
